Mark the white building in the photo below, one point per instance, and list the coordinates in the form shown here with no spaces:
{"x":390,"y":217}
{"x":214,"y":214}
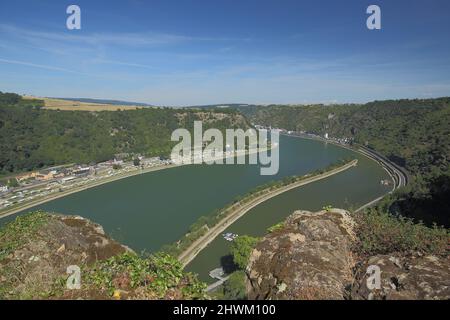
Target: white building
{"x":67,"y":179}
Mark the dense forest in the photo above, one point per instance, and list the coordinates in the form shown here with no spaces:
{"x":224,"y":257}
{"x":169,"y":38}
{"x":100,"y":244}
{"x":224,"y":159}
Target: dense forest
{"x":413,"y":133}
{"x":32,"y":137}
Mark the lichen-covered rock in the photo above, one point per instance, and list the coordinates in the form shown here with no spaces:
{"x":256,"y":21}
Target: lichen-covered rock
{"x":415,"y":277}
{"x":36,"y":250}
{"x":309,"y":258}
{"x":38,"y":253}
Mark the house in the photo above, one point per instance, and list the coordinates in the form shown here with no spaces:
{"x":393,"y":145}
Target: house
{"x":67,"y":179}
{"x":26,"y":176}
{"x":45,"y":175}
{"x":122,"y":156}
{"x":82,"y":171}
{"x":60,"y":175}
{"x":3,"y":188}
{"x":110,"y":163}
{"x":117,"y":161}
{"x":150,"y":161}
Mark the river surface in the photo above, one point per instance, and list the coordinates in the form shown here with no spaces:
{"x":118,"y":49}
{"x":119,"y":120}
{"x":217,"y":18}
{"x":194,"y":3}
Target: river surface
{"x":150,"y":210}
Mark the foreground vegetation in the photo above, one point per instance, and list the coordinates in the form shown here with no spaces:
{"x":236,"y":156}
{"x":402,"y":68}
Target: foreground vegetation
{"x":33,"y":265}
{"x":20,"y":231}
{"x":240,"y":251}
{"x":157,"y":276}
{"x":379,"y":232}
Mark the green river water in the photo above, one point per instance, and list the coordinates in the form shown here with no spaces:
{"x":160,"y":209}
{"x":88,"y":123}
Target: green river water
{"x":150,"y":210}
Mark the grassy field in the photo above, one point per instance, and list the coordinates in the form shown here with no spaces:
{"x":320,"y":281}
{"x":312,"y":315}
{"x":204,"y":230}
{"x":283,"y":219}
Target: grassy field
{"x":55,"y":104}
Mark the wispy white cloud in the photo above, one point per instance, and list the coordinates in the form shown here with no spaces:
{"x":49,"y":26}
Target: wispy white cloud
{"x":145,"y":38}
{"x":131,"y":49}
{"x":122,"y":63}
{"x":175,"y":69}
{"x":41,"y":66}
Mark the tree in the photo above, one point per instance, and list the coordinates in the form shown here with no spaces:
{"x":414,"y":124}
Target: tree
{"x":241,"y":249}
{"x":12,"y":183}
{"x":136,"y":161}
{"x":234,"y":287}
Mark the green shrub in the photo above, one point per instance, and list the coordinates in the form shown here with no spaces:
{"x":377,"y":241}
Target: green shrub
{"x":234,"y":287}
{"x":157,"y":273}
{"x":241,"y":248}
{"x":276,"y":227}
{"x":379,"y":232}
{"x":18,"y":232}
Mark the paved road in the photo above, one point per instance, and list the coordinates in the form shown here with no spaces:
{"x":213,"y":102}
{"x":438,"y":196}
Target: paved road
{"x":400,"y":175}
{"x":214,"y":285}
{"x":397,"y":173}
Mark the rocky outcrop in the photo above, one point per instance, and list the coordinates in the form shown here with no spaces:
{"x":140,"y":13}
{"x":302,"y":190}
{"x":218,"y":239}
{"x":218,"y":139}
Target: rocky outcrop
{"x":43,"y":255}
{"x":48,"y":256}
{"x":415,"y":277}
{"x":309,"y":258}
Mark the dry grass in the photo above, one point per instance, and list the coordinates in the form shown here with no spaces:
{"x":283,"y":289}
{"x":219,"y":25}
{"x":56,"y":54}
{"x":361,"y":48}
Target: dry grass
{"x":69,"y":105}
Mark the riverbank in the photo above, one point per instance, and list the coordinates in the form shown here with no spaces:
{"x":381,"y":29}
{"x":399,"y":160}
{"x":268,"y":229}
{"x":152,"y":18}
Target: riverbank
{"x":198,"y":245}
{"x":58,"y":195}
{"x":398,"y":174}
{"x":18,"y":208}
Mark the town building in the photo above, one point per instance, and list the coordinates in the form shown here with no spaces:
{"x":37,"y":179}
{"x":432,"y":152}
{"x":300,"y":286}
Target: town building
{"x":45,"y":175}
{"x":82,"y":171}
{"x":3,"y":188}
{"x":26,"y":176}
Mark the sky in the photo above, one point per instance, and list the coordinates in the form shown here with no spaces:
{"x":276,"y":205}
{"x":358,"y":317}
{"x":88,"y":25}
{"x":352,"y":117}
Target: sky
{"x":194,"y":52}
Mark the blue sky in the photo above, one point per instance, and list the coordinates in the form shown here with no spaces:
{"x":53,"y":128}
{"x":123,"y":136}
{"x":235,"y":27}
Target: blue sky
{"x":189,"y":52}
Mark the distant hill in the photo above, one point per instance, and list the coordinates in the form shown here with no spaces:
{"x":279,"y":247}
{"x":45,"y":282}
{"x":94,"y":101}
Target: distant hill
{"x":33,"y":136}
{"x":106,"y":101}
{"x":218,"y":106}
{"x":413,"y":133}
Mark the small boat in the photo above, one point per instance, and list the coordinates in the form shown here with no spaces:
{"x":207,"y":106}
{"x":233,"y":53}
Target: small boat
{"x":229,"y":236}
